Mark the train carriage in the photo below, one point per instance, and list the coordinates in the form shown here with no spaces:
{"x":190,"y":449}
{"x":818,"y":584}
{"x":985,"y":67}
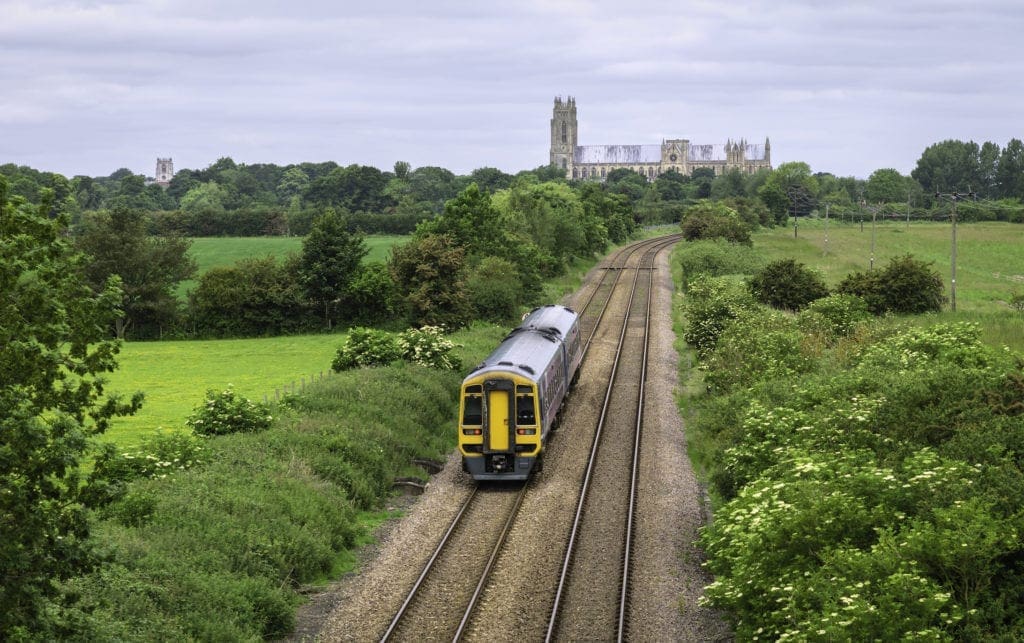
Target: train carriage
{"x":511,"y":401}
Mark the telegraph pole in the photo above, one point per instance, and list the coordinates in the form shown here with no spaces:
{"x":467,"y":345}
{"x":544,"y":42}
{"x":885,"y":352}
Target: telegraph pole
{"x":954,"y":197}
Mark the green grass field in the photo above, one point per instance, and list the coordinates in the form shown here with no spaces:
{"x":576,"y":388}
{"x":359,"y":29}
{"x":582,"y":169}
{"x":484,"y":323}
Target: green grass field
{"x":990,"y":262}
{"x":175,"y":375}
{"x":990,"y":256}
{"x":216,"y":252}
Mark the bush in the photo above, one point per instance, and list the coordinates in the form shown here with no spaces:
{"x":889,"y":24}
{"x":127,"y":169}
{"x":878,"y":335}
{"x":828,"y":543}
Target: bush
{"x":157,"y":456}
{"x":426,"y":346}
{"x":366,"y":347}
{"x":711,"y":304}
{"x":757,"y":345}
{"x":787,"y":285}
{"x":834,"y":316}
{"x":715,"y":258}
{"x":905,"y":286}
{"x":227,"y":412}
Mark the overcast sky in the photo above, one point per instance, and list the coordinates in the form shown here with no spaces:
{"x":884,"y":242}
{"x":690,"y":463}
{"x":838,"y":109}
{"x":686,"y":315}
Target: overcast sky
{"x":91,"y":86}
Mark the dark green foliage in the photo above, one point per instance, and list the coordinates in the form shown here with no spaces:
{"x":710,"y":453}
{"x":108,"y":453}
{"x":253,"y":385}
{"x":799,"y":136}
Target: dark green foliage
{"x":252,"y":298}
{"x":787,"y":285}
{"x":372,"y":297}
{"x":56,"y":348}
{"x":150,"y":268}
{"x":905,"y":286}
{"x":493,"y":296}
{"x":707,"y":220}
{"x":329,"y":262}
{"x":429,"y":272}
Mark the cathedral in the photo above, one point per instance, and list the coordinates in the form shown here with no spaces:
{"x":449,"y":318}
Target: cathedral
{"x":596,"y":161}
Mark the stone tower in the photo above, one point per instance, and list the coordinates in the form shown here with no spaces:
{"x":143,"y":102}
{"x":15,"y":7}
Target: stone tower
{"x":164,"y":171}
{"x":563,"y":133}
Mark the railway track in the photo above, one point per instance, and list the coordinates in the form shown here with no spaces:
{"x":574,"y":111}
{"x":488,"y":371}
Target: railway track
{"x":442,"y":603}
{"x":591,"y":598}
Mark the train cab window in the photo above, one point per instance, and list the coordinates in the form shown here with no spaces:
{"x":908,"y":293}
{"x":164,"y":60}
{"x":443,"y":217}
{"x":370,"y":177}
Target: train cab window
{"x":472,"y":412}
{"x":525,"y":413}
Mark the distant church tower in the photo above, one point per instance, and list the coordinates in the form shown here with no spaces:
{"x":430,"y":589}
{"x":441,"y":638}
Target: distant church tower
{"x":563,"y":133}
{"x":164,"y":172}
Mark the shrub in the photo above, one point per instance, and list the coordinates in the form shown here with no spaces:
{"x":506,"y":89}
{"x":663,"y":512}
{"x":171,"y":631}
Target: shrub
{"x":757,"y":345}
{"x":905,"y":286}
{"x":787,"y":285}
{"x":715,"y":258}
{"x":428,"y":346}
{"x":711,"y":304}
{"x":1017,"y":302}
{"x":158,"y":455}
{"x":835,"y":316}
{"x":366,"y":347}
{"x":227,"y":412}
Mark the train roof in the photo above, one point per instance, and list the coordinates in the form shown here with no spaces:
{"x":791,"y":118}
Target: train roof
{"x":529,"y":349}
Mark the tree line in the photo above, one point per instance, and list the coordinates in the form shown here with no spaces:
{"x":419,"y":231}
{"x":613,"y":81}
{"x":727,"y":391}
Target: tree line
{"x":237,"y":199}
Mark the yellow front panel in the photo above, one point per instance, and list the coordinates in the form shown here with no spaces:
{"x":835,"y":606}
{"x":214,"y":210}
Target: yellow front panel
{"x":497,"y":411}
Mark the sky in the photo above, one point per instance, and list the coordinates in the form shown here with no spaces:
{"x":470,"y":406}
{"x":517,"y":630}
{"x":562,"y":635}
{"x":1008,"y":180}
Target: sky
{"x":91,"y":86}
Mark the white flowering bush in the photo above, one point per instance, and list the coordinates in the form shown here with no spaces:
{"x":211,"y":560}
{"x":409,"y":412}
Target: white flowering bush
{"x":426,"y":346}
{"x":227,"y":412}
{"x":158,"y":456}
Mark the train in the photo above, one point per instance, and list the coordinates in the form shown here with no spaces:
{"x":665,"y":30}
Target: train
{"x":511,"y":401}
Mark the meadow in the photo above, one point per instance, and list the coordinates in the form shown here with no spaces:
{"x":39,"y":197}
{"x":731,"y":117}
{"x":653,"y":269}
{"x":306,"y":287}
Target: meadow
{"x":175,"y":375}
{"x":219,"y":252}
{"x":989,"y":271}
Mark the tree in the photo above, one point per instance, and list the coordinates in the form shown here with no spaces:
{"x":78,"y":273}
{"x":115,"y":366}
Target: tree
{"x":149,"y":267}
{"x":790,"y":191}
{"x":429,"y":272}
{"x":205,"y":198}
{"x":672,"y":186}
{"x":886,"y":186}
{"x":490,"y":179}
{"x":1010,"y":174}
{"x":329,"y":262}
{"x":433,"y":185}
{"x":949,"y":166}
{"x":52,"y":402}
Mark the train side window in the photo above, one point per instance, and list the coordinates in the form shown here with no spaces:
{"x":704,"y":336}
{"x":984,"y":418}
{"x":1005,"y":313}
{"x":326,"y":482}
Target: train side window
{"x":525,"y":413}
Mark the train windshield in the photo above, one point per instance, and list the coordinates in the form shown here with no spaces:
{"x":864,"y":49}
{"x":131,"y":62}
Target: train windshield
{"x":472,"y":412}
{"x":525,"y":413}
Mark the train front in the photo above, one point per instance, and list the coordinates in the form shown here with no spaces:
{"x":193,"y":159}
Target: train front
{"x":499,"y":425}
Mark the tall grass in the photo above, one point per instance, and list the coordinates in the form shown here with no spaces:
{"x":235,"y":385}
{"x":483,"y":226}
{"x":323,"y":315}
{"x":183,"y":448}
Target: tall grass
{"x":221,"y":551}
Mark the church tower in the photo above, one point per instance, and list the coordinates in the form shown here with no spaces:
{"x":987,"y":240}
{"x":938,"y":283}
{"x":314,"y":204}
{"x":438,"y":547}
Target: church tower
{"x":164,"y":172}
{"x":563,"y":133}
